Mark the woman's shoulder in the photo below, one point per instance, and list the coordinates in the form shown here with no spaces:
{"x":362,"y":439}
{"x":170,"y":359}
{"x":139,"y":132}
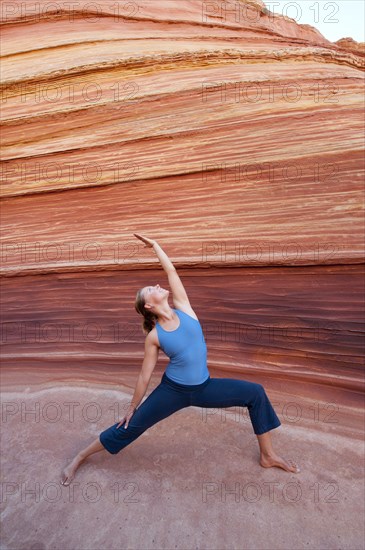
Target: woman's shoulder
{"x":152,"y":338}
{"x":188,"y":311}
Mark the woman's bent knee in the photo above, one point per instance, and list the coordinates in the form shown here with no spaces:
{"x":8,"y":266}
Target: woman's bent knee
{"x":260,"y":390}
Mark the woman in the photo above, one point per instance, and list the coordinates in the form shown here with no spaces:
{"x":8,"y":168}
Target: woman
{"x":186,"y":380}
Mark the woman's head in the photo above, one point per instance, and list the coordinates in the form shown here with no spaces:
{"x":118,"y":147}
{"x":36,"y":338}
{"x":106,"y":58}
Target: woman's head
{"x":148,"y":300}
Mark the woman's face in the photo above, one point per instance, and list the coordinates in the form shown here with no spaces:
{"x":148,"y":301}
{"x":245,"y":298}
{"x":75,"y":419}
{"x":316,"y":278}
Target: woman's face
{"x":154,"y":295}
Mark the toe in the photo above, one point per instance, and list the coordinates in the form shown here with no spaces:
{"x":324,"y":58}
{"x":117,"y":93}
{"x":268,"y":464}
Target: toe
{"x":294,"y":467}
{"x":65,"y":479}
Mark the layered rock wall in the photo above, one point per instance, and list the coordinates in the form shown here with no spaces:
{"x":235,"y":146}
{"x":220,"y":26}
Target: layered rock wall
{"x":234,"y":138}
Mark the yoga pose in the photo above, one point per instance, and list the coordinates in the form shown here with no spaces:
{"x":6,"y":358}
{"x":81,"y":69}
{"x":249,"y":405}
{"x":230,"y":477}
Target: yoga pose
{"x":186,"y":380}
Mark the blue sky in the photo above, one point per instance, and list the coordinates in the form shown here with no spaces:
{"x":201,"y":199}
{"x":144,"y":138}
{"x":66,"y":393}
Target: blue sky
{"x":335,"y":20}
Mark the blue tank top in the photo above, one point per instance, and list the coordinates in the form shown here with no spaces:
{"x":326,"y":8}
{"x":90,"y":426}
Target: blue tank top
{"x":186,"y":349}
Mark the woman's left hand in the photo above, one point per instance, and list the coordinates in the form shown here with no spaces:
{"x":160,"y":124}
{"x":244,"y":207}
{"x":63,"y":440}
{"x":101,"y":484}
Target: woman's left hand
{"x":148,"y":242}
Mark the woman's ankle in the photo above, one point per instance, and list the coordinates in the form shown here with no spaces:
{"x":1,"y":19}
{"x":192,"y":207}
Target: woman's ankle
{"x":267,"y":454}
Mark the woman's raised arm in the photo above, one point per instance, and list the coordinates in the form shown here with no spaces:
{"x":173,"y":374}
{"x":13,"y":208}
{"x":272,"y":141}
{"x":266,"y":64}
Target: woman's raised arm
{"x":179,"y":294}
{"x":165,"y":261}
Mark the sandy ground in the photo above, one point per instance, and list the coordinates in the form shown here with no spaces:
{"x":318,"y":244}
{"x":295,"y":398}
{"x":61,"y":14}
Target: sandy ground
{"x":191,"y":481}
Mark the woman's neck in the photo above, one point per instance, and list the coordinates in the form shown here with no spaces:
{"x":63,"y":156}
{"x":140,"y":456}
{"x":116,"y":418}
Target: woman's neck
{"x":165,"y":314}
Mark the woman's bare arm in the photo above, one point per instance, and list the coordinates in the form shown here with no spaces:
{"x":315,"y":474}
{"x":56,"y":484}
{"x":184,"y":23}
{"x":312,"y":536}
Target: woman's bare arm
{"x":144,"y":377}
{"x":179,"y":294}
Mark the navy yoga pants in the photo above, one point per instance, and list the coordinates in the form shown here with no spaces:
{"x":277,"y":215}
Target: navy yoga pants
{"x":169,"y":397}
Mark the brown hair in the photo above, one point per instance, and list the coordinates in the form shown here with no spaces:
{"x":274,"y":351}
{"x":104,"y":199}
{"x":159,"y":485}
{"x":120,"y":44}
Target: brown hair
{"x":150,"y":318}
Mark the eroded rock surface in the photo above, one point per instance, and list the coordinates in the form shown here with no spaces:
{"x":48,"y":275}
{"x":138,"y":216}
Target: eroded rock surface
{"x":235,"y":139}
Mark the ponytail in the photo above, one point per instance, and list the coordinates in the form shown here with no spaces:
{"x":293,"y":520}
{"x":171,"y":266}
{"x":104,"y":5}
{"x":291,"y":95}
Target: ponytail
{"x":149,"y":318}
{"x":149,"y":322}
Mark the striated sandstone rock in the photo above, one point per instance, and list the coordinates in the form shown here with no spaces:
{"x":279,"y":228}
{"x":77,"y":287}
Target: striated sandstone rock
{"x":351,"y":44}
{"x":234,"y":137}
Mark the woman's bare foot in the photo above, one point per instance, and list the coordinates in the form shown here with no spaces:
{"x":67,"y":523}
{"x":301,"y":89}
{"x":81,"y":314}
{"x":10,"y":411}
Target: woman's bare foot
{"x":269,"y":461}
{"x":69,"y":472}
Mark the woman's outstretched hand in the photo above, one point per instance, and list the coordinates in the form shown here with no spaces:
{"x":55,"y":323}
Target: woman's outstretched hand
{"x":130,"y":412}
{"x":148,"y":242}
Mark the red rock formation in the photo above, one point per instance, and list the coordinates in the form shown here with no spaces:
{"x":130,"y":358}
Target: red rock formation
{"x":351,"y":45}
{"x":234,"y":138}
